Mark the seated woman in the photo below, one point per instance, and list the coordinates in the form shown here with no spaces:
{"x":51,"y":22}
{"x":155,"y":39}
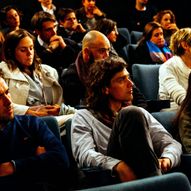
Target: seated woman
{"x":152,"y":48}
{"x":32,"y":85}
{"x":183,"y":120}
{"x":109,"y":28}
{"x":11,"y":19}
{"x":168,"y":22}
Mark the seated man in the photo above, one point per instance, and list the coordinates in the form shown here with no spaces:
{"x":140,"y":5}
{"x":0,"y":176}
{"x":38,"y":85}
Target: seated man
{"x":95,"y":46}
{"x":50,"y":47}
{"x":31,"y":156}
{"x":126,"y":140}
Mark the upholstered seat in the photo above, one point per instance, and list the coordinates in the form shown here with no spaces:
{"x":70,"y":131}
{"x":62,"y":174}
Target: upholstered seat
{"x":169,"y":182}
{"x":145,"y":77}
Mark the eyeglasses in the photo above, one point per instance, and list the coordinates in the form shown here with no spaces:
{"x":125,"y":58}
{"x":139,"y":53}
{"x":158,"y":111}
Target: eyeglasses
{"x":101,"y":50}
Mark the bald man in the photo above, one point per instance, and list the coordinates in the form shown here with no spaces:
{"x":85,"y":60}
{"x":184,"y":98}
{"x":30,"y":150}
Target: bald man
{"x":95,"y":46}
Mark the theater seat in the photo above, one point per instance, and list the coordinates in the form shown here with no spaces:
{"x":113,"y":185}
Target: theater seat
{"x":169,"y":182}
{"x":145,"y":77}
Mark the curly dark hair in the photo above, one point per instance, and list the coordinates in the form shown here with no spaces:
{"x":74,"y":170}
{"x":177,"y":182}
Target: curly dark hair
{"x":100,"y":75}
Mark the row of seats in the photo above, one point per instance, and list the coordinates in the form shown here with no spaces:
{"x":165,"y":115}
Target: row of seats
{"x":132,"y":38}
{"x":169,"y":182}
{"x":95,"y":177}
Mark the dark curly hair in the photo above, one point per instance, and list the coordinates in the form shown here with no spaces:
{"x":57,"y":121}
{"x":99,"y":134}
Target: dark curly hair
{"x":100,"y":75}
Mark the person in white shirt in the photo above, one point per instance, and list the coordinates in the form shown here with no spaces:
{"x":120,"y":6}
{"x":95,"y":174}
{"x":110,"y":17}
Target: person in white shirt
{"x":173,"y":74}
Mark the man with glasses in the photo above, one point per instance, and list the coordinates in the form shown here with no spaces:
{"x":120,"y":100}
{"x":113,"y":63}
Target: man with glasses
{"x":95,"y":46}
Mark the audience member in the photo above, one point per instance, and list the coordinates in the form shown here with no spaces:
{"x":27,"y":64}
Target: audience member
{"x":46,"y":6}
{"x":95,"y":46}
{"x":152,"y":47}
{"x":33,"y":86}
{"x":89,"y":13}
{"x":168,"y":22}
{"x":99,"y":134}
{"x":183,"y":120}
{"x":109,"y":28}
{"x":50,"y":47}
{"x":140,"y":14}
{"x":10,"y":18}
{"x":69,"y":27}
{"x":31,"y":156}
{"x":173,"y":74}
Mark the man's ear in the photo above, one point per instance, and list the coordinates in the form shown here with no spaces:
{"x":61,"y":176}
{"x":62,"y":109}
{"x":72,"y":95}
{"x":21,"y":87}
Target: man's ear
{"x":86,"y":54}
{"x":36,"y":31}
{"x":184,"y":45}
{"x":105,"y":91}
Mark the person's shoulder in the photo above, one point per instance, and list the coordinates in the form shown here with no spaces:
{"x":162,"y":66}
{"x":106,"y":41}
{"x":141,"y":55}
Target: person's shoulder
{"x":70,"y":70}
{"x":48,"y":68}
{"x":27,"y":118}
{"x":82,"y":112}
{"x":171,"y":62}
{"x":3,"y":64}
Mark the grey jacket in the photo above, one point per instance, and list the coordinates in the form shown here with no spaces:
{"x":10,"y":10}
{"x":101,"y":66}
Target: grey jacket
{"x":90,"y":138}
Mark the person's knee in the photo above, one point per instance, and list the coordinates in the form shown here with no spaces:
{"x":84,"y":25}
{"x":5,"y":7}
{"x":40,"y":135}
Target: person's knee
{"x":131,"y":111}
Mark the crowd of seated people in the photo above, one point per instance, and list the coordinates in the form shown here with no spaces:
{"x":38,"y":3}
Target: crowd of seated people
{"x":48,"y":63}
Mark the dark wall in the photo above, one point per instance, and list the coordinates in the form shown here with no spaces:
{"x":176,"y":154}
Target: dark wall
{"x":117,"y":9}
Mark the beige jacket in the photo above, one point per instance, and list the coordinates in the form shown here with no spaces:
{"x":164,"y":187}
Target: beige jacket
{"x":19,"y":86}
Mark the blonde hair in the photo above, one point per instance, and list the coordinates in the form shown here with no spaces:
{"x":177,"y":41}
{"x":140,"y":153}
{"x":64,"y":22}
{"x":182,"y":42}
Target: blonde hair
{"x":182,"y":35}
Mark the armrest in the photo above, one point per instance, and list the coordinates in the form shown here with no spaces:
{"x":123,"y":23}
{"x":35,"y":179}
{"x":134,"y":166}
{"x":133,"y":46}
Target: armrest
{"x":157,"y":105}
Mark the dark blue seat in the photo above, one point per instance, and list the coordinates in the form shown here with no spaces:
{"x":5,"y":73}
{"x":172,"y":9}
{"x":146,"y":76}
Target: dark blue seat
{"x":53,"y":125}
{"x":145,"y":77}
{"x":166,"y":119}
{"x":169,"y":182}
{"x":135,"y":36}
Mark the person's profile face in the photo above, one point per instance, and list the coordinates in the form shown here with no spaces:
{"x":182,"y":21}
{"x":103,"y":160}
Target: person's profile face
{"x":6,"y":105}
{"x":121,"y":87}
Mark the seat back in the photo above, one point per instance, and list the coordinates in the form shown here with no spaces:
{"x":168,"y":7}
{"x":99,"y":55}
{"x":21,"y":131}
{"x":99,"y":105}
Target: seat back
{"x":145,"y":77}
{"x":125,"y":33}
{"x":172,"y":182}
{"x":53,"y":125}
{"x":131,"y":55}
{"x":135,"y":36}
{"x":166,"y":119}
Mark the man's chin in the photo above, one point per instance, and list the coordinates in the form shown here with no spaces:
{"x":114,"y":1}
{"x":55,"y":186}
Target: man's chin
{"x":6,"y":119}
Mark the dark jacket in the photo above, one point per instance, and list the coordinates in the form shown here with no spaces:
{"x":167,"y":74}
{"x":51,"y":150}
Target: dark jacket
{"x":74,"y":89}
{"x":19,"y":141}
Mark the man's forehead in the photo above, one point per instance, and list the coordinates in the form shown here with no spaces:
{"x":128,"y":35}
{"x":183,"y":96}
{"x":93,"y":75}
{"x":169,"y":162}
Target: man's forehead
{"x":121,"y":73}
{"x":49,"y":24}
{"x":101,"y":44}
